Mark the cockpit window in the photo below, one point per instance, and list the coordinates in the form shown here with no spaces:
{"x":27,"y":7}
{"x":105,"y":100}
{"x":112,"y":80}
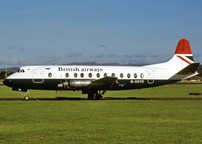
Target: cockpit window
{"x":21,"y":70}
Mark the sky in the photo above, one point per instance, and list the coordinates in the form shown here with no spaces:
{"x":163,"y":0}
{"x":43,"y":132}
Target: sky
{"x":46,"y":32}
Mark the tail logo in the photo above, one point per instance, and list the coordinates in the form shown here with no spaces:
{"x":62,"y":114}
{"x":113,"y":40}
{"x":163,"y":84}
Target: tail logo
{"x":188,"y":57}
{"x":183,"y":51}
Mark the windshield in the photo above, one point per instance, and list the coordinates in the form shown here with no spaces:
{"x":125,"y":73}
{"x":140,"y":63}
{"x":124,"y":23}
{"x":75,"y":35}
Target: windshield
{"x":21,"y":70}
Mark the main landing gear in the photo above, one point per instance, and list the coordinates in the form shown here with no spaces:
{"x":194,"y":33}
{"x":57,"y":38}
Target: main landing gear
{"x":95,"y":96}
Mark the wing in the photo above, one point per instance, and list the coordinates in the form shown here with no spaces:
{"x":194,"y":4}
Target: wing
{"x":105,"y":82}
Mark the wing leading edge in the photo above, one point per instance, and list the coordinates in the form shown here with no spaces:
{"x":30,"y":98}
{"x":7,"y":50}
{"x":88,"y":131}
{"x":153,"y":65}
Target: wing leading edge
{"x":103,"y":82}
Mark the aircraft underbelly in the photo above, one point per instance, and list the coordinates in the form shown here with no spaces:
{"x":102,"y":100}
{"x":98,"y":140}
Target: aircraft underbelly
{"x":58,"y":84}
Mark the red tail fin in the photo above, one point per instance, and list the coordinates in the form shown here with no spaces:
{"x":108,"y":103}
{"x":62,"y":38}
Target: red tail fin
{"x":183,"y":47}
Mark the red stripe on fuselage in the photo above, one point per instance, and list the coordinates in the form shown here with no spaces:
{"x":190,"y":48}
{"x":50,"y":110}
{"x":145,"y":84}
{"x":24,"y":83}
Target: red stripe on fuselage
{"x":184,"y":59}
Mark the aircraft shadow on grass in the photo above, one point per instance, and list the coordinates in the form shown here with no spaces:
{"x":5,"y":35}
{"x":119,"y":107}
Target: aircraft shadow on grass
{"x":106,"y":98}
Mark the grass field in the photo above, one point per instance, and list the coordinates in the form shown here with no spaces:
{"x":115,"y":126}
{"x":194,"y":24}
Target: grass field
{"x":175,"y":90}
{"x":117,"y":121}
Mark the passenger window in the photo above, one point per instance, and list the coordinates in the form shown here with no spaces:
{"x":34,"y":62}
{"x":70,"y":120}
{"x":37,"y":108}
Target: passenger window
{"x":135,"y":75}
{"x":49,"y":75}
{"x":75,"y":75}
{"x":90,"y":75}
{"x":113,"y":74}
{"x":105,"y":74}
{"x":82,"y":75}
{"x":98,"y":75}
{"x":121,"y":75}
{"x":142,"y":75}
{"x":67,"y":75}
{"x":128,"y":75}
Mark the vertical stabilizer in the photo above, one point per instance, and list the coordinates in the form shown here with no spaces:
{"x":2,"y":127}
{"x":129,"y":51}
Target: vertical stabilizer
{"x":184,"y":52}
{"x":181,"y":65}
{"x":183,"y":61}
{"x":183,"y":47}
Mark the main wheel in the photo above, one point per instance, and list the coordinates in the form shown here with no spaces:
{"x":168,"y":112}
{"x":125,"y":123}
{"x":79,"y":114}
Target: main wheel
{"x":98,"y":96}
{"x":91,"y":96}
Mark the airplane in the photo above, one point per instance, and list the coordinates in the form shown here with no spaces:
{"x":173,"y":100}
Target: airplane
{"x":96,"y":80}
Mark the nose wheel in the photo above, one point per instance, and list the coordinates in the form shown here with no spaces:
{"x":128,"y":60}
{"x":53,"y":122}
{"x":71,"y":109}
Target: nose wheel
{"x":26,"y":96}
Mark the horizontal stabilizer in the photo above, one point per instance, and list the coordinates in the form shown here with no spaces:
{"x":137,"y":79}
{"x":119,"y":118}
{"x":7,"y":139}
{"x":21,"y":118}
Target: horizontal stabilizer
{"x":190,"y":69}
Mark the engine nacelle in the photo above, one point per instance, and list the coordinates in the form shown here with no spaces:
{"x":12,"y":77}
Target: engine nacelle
{"x":78,"y":83}
{"x":74,"y":84}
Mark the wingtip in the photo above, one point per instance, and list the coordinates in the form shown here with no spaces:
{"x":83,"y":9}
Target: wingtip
{"x":183,"y":47}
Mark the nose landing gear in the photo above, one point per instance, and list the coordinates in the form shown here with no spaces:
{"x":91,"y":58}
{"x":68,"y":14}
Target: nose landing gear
{"x":26,"y":96}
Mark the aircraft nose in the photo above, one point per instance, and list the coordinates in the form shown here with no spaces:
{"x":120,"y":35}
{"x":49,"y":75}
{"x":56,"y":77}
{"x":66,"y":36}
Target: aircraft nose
{"x":7,"y":82}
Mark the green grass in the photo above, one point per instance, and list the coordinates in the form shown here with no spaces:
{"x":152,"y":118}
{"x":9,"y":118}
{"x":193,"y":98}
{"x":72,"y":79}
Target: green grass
{"x":117,"y":121}
{"x":176,"y":90}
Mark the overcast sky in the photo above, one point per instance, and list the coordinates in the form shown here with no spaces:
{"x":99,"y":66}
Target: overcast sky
{"x":103,"y":31}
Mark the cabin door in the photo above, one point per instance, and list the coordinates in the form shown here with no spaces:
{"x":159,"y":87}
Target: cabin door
{"x":38,"y":76}
{"x":150,"y":79}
